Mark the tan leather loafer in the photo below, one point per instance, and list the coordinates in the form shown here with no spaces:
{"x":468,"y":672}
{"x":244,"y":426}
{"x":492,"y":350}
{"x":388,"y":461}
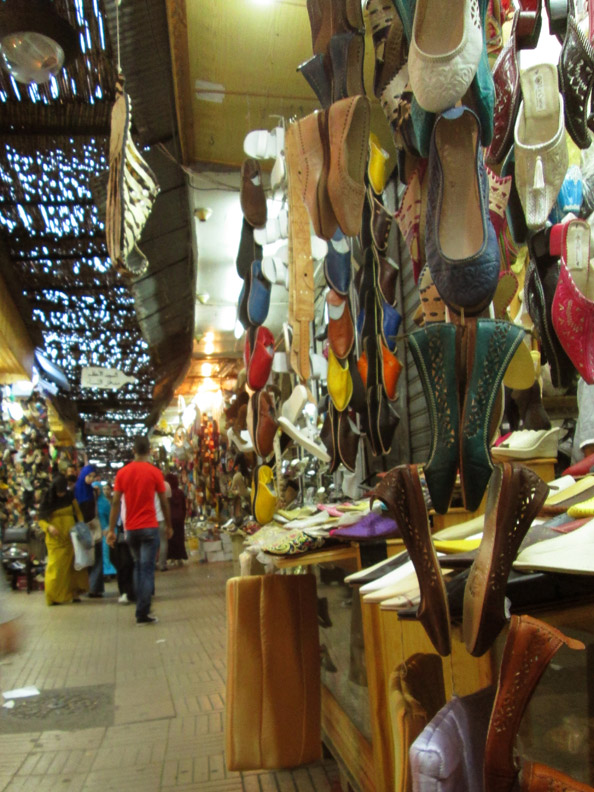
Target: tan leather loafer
{"x":348,"y":133}
{"x":312,"y":172}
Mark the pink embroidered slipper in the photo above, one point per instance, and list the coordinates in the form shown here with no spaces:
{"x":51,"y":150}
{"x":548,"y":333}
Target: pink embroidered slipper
{"x":573,"y":303}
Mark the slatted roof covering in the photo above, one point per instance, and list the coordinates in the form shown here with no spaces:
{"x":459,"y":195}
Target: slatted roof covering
{"x":53,"y":159}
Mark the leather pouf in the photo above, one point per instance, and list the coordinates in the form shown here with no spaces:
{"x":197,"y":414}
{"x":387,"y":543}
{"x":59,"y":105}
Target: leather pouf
{"x":273,"y":716}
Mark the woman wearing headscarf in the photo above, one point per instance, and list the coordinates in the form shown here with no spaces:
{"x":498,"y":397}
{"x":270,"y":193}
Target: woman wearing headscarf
{"x":103,"y":509}
{"x":177,"y":505}
{"x":58,"y":513}
{"x":84,"y":494}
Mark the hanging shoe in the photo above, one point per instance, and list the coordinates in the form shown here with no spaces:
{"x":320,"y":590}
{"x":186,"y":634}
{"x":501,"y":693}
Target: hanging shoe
{"x":539,"y":142}
{"x":314,"y":71}
{"x":576,"y":79}
{"x":337,"y":264}
{"x":346,"y":51}
{"x":540,"y":285}
{"x":312,"y":174}
{"x":400,"y":490}
{"x":264,"y":500}
{"x":251,"y":194}
{"x":461,"y":245}
{"x":529,"y":648}
{"x":434,"y":353}
{"x":515,"y":497}
{"x":445,"y":51}
{"x":490,"y":345}
{"x":572,"y":311}
{"x":348,"y":134}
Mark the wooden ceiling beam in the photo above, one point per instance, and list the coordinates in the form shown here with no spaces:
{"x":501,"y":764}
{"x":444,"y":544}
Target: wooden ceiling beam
{"x":177,"y":23}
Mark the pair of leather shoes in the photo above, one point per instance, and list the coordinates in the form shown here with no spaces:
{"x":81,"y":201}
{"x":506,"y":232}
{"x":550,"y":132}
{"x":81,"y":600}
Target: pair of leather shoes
{"x":333,"y":150}
{"x":461,"y":371}
{"x":341,"y":438}
{"x":515,"y":497}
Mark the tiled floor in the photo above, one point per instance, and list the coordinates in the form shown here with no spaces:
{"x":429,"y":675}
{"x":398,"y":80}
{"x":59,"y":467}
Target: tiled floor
{"x":168,"y":687}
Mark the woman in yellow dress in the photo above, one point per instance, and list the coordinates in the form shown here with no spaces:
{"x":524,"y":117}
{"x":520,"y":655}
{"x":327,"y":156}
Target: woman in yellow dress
{"x":58,"y":513}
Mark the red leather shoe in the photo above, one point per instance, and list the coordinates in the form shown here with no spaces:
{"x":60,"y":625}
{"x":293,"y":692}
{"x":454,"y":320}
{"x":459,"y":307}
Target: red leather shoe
{"x":581,"y":468}
{"x":573,"y":303}
{"x":258,"y":355}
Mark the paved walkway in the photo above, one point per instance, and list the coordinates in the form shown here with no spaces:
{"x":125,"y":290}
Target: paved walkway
{"x":126,"y":708}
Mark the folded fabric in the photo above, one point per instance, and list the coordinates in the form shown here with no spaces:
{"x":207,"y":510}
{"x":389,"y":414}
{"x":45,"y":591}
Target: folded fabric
{"x":295,"y":542}
{"x":370,"y":528}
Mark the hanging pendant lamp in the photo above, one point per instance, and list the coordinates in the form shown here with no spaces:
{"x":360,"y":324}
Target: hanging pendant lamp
{"x":35,"y":41}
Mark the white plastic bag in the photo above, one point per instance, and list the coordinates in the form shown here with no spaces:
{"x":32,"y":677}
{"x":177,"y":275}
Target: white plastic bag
{"x":83,"y":556}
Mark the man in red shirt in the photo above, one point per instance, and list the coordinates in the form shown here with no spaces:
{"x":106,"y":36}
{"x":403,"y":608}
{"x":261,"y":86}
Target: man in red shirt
{"x":138,"y":482}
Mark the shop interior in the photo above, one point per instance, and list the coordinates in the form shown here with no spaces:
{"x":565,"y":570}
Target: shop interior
{"x":333,"y":258}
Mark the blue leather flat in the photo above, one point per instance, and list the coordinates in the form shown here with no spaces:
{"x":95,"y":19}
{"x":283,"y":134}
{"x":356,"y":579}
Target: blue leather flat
{"x":460,"y":241}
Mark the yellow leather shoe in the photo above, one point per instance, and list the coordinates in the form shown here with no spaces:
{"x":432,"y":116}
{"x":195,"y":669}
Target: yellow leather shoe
{"x":264,"y":498}
{"x":340,"y":384}
{"x":376,"y":167}
{"x":520,"y":373}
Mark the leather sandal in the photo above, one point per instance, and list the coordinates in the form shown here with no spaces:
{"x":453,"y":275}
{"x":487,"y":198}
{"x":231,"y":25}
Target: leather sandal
{"x":514,"y":499}
{"x":400,"y":490}
{"x":529,"y":648}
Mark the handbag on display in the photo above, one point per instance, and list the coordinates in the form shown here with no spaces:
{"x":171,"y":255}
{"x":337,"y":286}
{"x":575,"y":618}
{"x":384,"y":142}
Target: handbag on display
{"x":273,"y":717}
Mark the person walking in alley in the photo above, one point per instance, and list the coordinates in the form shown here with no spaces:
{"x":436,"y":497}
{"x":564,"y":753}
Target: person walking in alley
{"x":138,"y":482}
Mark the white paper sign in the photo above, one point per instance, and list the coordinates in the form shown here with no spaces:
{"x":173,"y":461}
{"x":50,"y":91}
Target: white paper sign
{"x":104,"y":378}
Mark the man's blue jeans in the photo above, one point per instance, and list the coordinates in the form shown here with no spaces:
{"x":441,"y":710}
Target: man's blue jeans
{"x":143,"y":543}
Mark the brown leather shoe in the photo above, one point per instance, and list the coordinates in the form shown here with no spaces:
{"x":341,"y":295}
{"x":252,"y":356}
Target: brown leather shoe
{"x":312,"y":173}
{"x":262,"y":424}
{"x":348,"y":440}
{"x":329,"y":17}
{"x":537,"y":777}
{"x":348,"y":134}
{"x":514,"y":499}
{"x":347,"y":51}
{"x":400,"y":490}
{"x":529,"y":647}
{"x":341,"y":331}
{"x":251,"y":194}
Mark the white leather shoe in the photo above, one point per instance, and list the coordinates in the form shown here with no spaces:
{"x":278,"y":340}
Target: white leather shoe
{"x":540,"y":145}
{"x":446,"y":47}
{"x":529,"y":444}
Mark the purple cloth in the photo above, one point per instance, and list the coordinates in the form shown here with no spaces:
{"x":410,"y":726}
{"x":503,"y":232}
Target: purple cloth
{"x":372,"y":526}
{"x":448,"y":754}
